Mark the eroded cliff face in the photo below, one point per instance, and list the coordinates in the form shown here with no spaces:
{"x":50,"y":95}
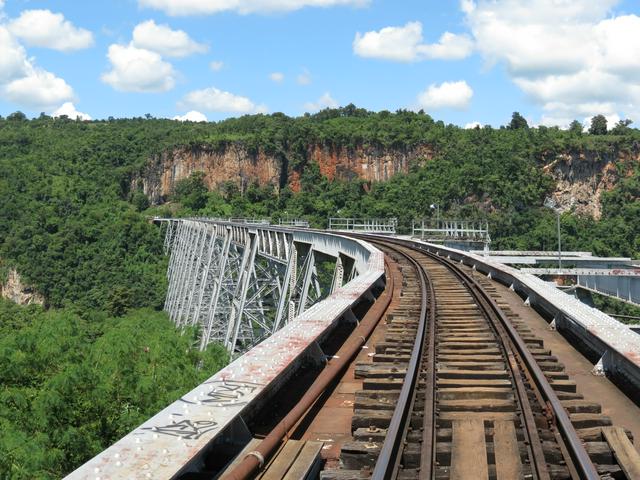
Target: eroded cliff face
{"x":232,"y":163}
{"x":368,"y":163}
{"x":582,"y":177}
{"x":236,"y":164}
{"x":15,"y":290}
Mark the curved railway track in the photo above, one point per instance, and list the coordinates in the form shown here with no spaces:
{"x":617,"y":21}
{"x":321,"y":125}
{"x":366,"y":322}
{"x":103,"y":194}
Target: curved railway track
{"x":484,"y":397}
{"x":457,"y":389}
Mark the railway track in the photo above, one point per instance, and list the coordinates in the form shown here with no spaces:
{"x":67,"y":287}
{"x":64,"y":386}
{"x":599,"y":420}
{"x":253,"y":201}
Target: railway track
{"x":459,"y":388}
{"x":483,"y":399}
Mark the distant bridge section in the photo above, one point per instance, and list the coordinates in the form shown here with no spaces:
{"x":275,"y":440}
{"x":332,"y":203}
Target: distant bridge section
{"x":239,"y":282}
{"x":455,"y":233}
{"x":616,"y":277}
{"x":550,"y":259}
{"x":620,"y":283}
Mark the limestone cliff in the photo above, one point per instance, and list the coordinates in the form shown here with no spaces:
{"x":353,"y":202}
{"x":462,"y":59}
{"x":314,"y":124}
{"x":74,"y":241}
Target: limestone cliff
{"x":368,"y":163}
{"x":581,"y":177}
{"x":15,"y":290}
{"x":231,"y":163}
{"x":235,"y":163}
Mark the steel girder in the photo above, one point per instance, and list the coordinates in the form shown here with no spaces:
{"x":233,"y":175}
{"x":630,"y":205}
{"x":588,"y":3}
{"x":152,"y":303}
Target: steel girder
{"x":238,"y":284}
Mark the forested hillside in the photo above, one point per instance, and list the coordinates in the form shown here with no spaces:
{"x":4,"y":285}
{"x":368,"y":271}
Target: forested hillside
{"x":99,"y":356}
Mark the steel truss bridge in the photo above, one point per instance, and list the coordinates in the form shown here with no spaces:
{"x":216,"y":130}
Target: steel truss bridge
{"x":238,"y":284}
{"x":272,"y":295}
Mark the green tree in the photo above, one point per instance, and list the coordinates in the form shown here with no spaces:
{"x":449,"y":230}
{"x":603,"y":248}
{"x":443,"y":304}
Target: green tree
{"x":518,"y":122}
{"x":622,"y":127}
{"x":191,"y":192}
{"x":17,"y":116}
{"x":140,"y":201}
{"x":576,"y":127}
{"x":598,"y":125}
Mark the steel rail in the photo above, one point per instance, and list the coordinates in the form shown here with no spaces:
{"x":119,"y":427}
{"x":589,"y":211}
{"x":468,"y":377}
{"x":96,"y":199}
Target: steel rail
{"x":254,"y":460}
{"x":427,"y":449}
{"x":534,"y":445}
{"x":391,"y":452}
{"x":579,"y":455}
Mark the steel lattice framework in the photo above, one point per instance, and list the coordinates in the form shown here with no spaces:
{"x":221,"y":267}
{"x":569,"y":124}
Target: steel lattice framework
{"x":239,"y":283}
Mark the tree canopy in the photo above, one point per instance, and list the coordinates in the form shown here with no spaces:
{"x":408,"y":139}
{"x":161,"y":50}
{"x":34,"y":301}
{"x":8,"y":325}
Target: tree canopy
{"x":598,"y":125}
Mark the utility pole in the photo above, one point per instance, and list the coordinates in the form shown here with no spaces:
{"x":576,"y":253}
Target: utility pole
{"x":559,"y":241}
{"x":551,"y":203}
{"x":437,"y":209}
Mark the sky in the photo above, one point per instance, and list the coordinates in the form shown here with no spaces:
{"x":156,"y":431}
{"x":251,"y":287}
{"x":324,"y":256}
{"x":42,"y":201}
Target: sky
{"x":462,"y":61}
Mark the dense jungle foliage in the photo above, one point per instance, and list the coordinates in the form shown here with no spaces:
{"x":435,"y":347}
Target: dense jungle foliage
{"x":100,"y":357}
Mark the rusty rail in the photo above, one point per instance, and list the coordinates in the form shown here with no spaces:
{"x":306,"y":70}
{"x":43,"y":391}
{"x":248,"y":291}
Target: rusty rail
{"x":579,"y":456}
{"x":573,"y":444}
{"x":391,"y":452}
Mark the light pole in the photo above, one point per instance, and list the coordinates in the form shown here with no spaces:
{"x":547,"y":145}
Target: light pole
{"x":551,"y":203}
{"x":436,"y":207}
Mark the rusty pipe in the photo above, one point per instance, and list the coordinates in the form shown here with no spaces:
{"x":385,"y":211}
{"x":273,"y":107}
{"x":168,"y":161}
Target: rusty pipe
{"x":254,"y":460}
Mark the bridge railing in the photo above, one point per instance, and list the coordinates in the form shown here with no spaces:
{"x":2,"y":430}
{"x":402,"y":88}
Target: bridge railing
{"x":364,"y":225}
{"x":293,"y":222}
{"x":456,"y":231}
{"x":175,"y":440}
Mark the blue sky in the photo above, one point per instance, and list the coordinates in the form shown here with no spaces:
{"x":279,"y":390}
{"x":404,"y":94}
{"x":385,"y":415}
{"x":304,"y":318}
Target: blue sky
{"x":461,"y":61}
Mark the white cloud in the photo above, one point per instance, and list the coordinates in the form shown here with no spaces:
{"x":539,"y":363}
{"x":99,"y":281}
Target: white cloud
{"x":43,"y":28}
{"x":215,"y":100}
{"x":165,"y":41}
{"x":24,"y":83}
{"x":467,"y":6}
{"x":37,"y":89}
{"x":571,"y":57}
{"x":446,"y":95}
{"x":205,"y":7}
{"x":13,"y":57}
{"x":405,"y":44}
{"x":472,"y":125}
{"x":216,"y":66}
{"x":138,"y":70}
{"x":304,"y":78}
{"x":69,"y":109}
{"x":276,"y":77}
{"x":191,"y":116}
{"x":325,"y":101}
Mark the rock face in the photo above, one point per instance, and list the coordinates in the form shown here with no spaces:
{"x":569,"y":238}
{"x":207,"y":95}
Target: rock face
{"x":13,"y":289}
{"x":235,"y":163}
{"x":582,"y":177}
{"x":370,"y":163}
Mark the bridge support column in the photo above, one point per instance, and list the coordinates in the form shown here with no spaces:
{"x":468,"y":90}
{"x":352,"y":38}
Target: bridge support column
{"x":210,"y":322}
{"x":285,"y":288}
{"x":240,"y":295}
